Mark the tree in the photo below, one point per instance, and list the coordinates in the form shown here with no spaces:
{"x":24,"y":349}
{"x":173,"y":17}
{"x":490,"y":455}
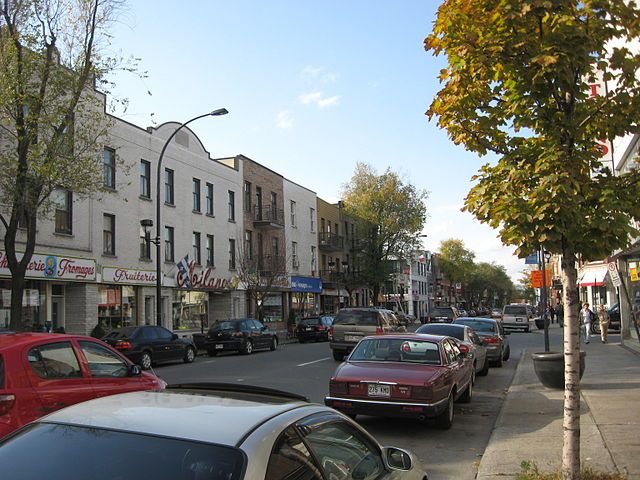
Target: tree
{"x":456,"y":262}
{"x":389,"y":217}
{"x":518,"y":83}
{"x":52,"y":120}
{"x":488,"y":282}
{"x":525,"y":289}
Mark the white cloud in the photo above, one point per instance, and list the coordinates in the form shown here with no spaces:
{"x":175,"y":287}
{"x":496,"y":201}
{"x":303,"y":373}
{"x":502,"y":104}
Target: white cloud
{"x":311,"y":97}
{"x":284,"y":119}
{"x":329,"y":102}
{"x":310,"y":72}
{"x":316,"y":97}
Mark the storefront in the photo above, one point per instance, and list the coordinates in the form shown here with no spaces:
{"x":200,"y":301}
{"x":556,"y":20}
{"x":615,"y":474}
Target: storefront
{"x":594,"y":287}
{"x":305,"y":292}
{"x":120,"y":296}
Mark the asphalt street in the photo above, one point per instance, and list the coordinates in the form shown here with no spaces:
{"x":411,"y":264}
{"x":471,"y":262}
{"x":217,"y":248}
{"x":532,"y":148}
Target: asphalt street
{"x":306,"y":368}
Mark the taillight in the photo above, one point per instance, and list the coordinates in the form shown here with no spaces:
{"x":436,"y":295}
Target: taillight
{"x":336,"y":387}
{"x":330,"y":334}
{"x":379,"y":331}
{"x":322,"y":328}
{"x":421,"y":393}
{"x":491,"y":340}
{"x":6,"y":403}
{"x":463,"y":348}
{"x":123,"y":345}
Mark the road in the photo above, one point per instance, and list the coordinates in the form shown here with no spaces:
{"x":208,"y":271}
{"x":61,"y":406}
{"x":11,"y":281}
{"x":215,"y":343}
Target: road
{"x":306,"y":368}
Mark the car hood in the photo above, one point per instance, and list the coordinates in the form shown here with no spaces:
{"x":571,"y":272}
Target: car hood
{"x":403,"y":373}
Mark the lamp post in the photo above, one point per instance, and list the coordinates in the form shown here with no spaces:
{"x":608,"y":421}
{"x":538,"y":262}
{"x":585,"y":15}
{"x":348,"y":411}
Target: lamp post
{"x":544,"y":255}
{"x":157,"y":241}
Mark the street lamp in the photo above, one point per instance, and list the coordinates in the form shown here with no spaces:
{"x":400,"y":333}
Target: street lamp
{"x":156,"y":241}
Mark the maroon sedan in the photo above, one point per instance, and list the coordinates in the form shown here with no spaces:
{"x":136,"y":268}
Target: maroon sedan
{"x":411,"y":375}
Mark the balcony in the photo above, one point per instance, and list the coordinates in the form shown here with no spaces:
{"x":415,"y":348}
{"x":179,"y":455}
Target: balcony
{"x":330,"y":242}
{"x":268,"y":217}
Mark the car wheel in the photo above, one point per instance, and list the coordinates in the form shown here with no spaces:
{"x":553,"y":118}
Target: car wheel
{"x":498,"y":363}
{"x":526,"y":330}
{"x":445,"y":419}
{"x":248,"y":348}
{"x":485,"y":368}
{"x":338,"y":355}
{"x":212,"y":353}
{"x":189,"y":355}
{"x":467,"y":395}
{"x":145,"y":361}
{"x":274,"y":344}
{"x":507,"y":354}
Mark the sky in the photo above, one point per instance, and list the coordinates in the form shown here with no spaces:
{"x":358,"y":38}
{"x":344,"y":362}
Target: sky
{"x":312,"y":88}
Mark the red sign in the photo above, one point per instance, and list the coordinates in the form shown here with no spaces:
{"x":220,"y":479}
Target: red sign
{"x":203,"y":280}
{"x":536,"y":278}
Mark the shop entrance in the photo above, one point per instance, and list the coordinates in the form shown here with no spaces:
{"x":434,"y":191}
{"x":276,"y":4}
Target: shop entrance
{"x":57,"y":306}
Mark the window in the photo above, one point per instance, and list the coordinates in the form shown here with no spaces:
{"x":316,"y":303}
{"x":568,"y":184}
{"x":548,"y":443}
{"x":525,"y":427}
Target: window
{"x":102,"y":362}
{"x":168,"y":244}
{"x":274,"y":202}
{"x":247,"y":196}
{"x":196,"y":247}
{"x":210,"y":262}
{"x":248,"y":244}
{"x":291,"y":459}
{"x":313,"y":258}
{"x":232,"y":254}
{"x":109,"y":234}
{"x":196,"y":195}
{"x":209,"y":198}
{"x":275,"y":246}
{"x":54,"y":360}
{"x":145,"y":179}
{"x":323,"y":225}
{"x":145,"y":245}
{"x":232,"y":205}
{"x":312,"y":218}
{"x":168,"y":186}
{"x":258,"y":203}
{"x":109,"y":167}
{"x":294,"y":255}
{"x":63,"y":200}
{"x":293,"y":213}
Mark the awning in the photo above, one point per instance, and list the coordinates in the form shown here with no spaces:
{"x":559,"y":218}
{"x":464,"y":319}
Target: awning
{"x":593,"y":277}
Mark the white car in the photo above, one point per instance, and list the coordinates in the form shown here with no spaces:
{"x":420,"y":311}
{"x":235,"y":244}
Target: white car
{"x":201,"y":432}
{"x":518,"y":316}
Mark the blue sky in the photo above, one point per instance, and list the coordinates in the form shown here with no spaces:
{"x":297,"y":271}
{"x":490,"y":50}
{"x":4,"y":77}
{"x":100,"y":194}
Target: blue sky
{"x":312,"y":88}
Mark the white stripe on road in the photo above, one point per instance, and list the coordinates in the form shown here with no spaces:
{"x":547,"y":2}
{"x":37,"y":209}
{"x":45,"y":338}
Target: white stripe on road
{"x":315,"y":361}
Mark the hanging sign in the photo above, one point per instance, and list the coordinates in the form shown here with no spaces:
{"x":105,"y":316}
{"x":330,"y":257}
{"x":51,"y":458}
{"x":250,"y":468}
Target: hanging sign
{"x":613,"y":273}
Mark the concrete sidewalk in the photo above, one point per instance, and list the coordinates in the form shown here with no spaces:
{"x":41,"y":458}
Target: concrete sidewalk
{"x":529,"y":426}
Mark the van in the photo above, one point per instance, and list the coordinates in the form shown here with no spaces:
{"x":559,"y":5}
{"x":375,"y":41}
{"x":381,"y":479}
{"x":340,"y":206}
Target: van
{"x":517,"y":316}
{"x":352,"y":324}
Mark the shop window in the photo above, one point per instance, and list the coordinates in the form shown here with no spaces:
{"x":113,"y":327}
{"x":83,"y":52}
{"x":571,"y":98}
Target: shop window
{"x":109,"y":234}
{"x":145,"y":179}
{"x":109,"y":167}
{"x":189,"y":309}
{"x":117,"y":306}
{"x":63,"y":200}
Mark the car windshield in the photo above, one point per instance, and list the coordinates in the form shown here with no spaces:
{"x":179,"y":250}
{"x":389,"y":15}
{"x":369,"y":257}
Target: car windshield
{"x":310,"y":321}
{"x":450,"y":330}
{"x":441,"y":311}
{"x":101,"y":454}
{"x":226,"y":325}
{"x":357,"y":317}
{"x":515,"y":310}
{"x":478,"y":325}
{"x":398,"y":350}
{"x":125,"y":332}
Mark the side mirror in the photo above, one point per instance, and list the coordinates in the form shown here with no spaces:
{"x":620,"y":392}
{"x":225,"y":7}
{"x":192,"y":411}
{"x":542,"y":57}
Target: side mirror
{"x":135,"y":370}
{"x":174,"y":336}
{"x":265,"y":328}
{"x":397,"y":459}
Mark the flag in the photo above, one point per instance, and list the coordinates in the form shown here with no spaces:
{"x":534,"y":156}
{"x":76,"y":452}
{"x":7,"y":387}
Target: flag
{"x":183,"y":268}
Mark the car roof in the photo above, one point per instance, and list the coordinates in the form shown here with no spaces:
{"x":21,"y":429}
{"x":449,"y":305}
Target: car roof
{"x":409,"y":336}
{"x":442,"y":324}
{"x":216,"y":417}
{"x":477,"y":319}
{"x":20,"y":339}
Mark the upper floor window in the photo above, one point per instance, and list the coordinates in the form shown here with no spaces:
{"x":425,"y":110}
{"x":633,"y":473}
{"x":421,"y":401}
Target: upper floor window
{"x":312,"y":219}
{"x":109,"y":234}
{"x":209,"y":198}
{"x":294,"y":255}
{"x":196,"y":248}
{"x":145,"y":179}
{"x":248,"y":244}
{"x":210,"y":258}
{"x":232,"y":205}
{"x":247,"y":196}
{"x":196,"y":195}
{"x":63,"y":200}
{"x":169,"y":255}
{"x":232,"y":254}
{"x":293,"y":213}
{"x":109,"y":167}
{"x":168,"y":186}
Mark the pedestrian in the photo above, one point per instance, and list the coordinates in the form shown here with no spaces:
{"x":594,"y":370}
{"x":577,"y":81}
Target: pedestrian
{"x":603,"y":318}
{"x":552,"y":314}
{"x":586,"y":317}
{"x":560,"y":314}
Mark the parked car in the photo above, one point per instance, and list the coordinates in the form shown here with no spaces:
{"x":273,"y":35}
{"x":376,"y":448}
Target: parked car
{"x":411,"y":375}
{"x":467,"y":339}
{"x":517,"y":316}
{"x":42,"y":372}
{"x":492,"y":335}
{"x":442,"y":314}
{"x":242,"y":335}
{"x":258,"y":434}
{"x":496,"y":313}
{"x":148,"y":345}
{"x":405,"y":319}
{"x":614,"y":320}
{"x":314,"y":328}
{"x":352,"y":324}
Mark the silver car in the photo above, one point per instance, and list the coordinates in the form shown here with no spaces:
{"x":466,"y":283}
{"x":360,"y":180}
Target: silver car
{"x":492,"y":335}
{"x":202,"y":432}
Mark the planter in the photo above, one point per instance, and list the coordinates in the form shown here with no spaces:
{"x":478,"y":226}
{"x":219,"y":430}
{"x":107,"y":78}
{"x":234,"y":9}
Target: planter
{"x":539,"y":323}
{"x":549,"y":367}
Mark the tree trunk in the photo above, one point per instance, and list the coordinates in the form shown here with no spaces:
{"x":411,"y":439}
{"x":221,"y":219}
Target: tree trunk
{"x":571,"y":423}
{"x":376,"y":292}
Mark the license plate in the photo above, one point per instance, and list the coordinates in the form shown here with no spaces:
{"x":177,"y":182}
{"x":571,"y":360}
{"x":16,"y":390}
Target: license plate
{"x":308,"y":329}
{"x":376,"y":390}
{"x":352,"y":338}
{"x":519,"y":319}
{"x":219,"y":346}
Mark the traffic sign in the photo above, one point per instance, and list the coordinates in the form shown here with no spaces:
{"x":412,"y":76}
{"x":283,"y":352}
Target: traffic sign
{"x":613,"y":273}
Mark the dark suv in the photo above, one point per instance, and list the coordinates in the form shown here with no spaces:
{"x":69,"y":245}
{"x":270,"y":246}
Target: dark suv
{"x":352,"y":324}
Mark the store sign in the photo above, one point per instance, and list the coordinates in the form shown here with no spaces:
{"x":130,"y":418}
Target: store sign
{"x":634,"y":272}
{"x":203,"y":280}
{"x":306,"y":284}
{"x":128,"y":276}
{"x":54,"y":267}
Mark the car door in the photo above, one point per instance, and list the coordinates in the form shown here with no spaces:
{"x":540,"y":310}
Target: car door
{"x":171,"y":347}
{"x":263,"y":335}
{"x":481,"y":350}
{"x":57,"y":376}
{"x":463,"y":367}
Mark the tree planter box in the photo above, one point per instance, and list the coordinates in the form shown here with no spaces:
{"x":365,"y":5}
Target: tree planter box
{"x":549,"y":368}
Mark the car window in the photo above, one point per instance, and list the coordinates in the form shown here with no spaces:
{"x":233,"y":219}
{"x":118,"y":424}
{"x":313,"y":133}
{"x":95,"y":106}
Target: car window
{"x":515,"y":310}
{"x":102,"y":361}
{"x":478,"y":325}
{"x":474,"y":337}
{"x":257,"y":325}
{"x":441,"y":311}
{"x":126,"y":332}
{"x":226,"y":325}
{"x":400,"y":350}
{"x":433,"y":329}
{"x":54,"y":360}
{"x":291,"y":459}
{"x":148,"y":333}
{"x":343,"y":453}
{"x":306,"y":322}
{"x":448,"y":350}
{"x":357,"y":317}
{"x":163,"y":334}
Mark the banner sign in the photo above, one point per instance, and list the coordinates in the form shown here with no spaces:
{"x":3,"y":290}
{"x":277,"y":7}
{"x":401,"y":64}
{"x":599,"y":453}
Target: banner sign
{"x":188,"y":279}
{"x":129,"y":276}
{"x":54,"y":267}
{"x":306,"y":284}
{"x":536,"y":278}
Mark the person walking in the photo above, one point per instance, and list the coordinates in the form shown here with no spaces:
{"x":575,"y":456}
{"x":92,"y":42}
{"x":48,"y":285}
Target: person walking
{"x":560,"y":314}
{"x":586,"y":317}
{"x":603,"y":318}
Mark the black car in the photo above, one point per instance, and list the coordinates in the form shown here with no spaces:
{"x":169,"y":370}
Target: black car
{"x":442,"y":315}
{"x":314,"y":328}
{"x":243,"y":335}
{"x":147,"y":345}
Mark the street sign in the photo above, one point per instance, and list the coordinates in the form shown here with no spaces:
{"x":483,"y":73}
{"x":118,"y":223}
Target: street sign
{"x":531,"y":259}
{"x":613,"y":273}
{"x":536,"y":278}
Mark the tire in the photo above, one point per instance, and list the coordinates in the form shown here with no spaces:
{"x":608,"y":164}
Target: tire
{"x":467,"y":395}
{"x":189,"y":355}
{"x":338,"y":355}
{"x":212,"y":353}
{"x":526,"y":330}
{"x":445,"y":419}
{"x":248,"y":348}
{"x":485,"y":368}
{"x":498,"y":363}
{"x":507,"y":354}
{"x":146,"y":361}
{"x":274,"y":344}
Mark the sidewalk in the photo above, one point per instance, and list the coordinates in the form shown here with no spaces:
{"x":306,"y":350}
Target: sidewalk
{"x":529,"y":426}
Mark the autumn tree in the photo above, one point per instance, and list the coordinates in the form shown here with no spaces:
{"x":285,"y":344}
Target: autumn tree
{"x":517,"y":83}
{"x":52,"y":121}
{"x":390,"y":215}
{"x":525,"y":288}
{"x":456,"y":262}
{"x":488,"y":282}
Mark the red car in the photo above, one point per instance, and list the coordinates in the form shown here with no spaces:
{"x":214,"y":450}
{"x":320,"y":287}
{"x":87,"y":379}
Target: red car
{"x":42,"y":372}
{"x":409,"y":375}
